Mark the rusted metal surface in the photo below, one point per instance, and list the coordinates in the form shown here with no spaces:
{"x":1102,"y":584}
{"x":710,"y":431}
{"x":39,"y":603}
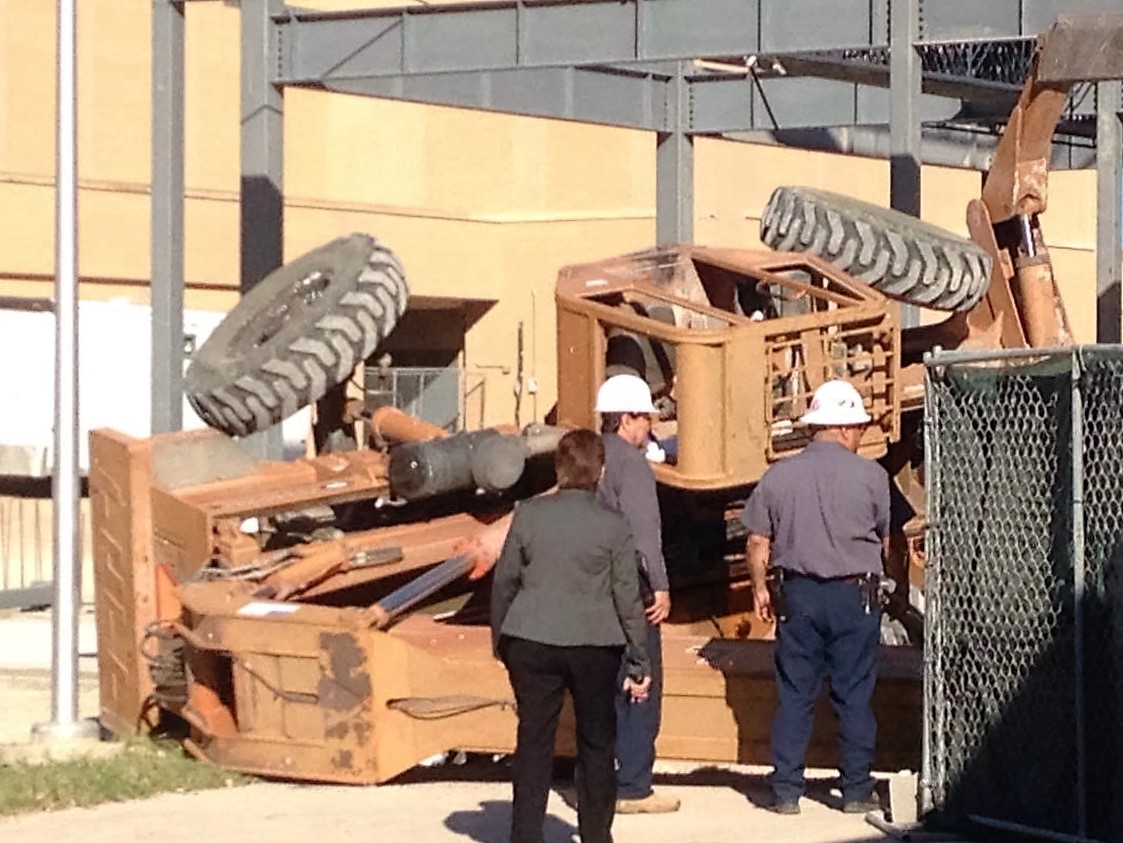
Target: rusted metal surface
{"x":1017,"y":184}
{"x":1083,"y":47}
{"x":1023,"y":295}
{"x":125,"y":594}
{"x":320,"y":568}
{"x":329,"y":479}
{"x":1036,"y":293}
{"x":237,"y":531}
{"x":321,"y":699}
{"x":996,"y":313}
{"x":392,"y":425}
{"x":184,"y":536}
{"x":751,"y":336}
{"x":318,"y":565}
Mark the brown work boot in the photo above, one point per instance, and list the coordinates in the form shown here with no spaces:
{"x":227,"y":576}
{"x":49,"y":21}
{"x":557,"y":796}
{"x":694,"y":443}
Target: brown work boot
{"x":786,"y":807}
{"x":862,"y":806}
{"x":653,"y":803}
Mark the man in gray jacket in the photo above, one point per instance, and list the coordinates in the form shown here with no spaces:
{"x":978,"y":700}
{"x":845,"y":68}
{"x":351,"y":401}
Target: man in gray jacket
{"x":624,"y":402}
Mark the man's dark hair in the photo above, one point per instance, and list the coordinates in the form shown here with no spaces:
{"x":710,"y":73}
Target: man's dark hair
{"x":579,"y":460}
{"x":610,"y":422}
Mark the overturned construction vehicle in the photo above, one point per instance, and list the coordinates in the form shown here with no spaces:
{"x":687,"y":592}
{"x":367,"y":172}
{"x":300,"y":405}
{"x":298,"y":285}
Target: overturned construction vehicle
{"x":325,"y":618}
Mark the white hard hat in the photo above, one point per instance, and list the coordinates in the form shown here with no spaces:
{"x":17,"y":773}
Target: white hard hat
{"x":836,"y":404}
{"x":624,"y":394}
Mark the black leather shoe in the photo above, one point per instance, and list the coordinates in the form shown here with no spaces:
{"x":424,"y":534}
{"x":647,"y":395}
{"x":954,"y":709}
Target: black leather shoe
{"x":786,"y":807}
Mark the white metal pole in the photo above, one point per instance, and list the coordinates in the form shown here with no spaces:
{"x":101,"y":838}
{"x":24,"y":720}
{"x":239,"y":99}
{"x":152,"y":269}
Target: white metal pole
{"x":64,"y":687}
{"x":66,"y":491}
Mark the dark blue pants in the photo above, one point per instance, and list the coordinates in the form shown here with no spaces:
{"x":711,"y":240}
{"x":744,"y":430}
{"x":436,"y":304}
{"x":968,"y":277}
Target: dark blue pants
{"x":637,"y":726}
{"x":827,"y":633}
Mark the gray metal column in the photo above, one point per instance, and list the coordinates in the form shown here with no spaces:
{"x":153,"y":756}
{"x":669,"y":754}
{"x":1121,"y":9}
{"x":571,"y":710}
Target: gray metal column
{"x":904,"y":118}
{"x":674,"y":168}
{"x":262,"y":144}
{"x":262,"y":202}
{"x":1109,"y":198}
{"x":167,"y":215}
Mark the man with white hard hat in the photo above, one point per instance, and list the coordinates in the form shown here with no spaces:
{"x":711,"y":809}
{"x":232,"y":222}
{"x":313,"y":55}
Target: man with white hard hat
{"x":628,"y":486}
{"x":818,"y":524}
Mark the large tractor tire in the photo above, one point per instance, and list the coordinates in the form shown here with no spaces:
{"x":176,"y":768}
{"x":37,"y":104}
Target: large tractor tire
{"x":295,"y":335}
{"x":899,"y":255}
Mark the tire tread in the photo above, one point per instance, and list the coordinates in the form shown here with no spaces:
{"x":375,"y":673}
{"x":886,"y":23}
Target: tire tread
{"x":898,"y":255}
{"x":251,"y":393}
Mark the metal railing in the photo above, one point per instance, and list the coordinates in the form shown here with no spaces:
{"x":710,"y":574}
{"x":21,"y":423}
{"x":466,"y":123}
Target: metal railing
{"x":449,"y":397}
{"x":1024,"y":590}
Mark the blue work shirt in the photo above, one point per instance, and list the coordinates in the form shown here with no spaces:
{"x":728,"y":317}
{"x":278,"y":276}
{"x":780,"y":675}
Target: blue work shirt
{"x":826,"y":511}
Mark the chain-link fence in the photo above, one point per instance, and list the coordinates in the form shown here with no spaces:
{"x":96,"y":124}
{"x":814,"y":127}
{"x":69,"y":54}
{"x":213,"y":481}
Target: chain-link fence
{"x":1023,"y":694}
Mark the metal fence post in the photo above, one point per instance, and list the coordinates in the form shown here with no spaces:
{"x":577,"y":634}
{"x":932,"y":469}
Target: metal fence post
{"x":1077,"y":411}
{"x":931,"y":604}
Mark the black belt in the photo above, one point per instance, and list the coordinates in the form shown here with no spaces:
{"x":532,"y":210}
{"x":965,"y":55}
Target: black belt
{"x":858,"y":579}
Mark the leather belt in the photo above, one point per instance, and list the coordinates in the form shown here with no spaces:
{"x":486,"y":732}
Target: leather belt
{"x":858,"y":579}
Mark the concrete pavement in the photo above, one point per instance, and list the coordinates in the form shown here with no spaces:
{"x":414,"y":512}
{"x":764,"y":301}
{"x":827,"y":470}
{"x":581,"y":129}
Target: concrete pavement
{"x":25,"y":671}
{"x":25,"y":640}
{"x":435,"y":806}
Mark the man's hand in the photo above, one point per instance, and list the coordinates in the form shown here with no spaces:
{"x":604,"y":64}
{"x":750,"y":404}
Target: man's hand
{"x":762,"y":603}
{"x":758,"y":551}
{"x":658,"y":611}
{"x":637,"y":690}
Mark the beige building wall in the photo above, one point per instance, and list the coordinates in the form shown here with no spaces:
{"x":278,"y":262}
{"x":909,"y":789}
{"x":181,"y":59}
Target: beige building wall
{"x":478,"y":206}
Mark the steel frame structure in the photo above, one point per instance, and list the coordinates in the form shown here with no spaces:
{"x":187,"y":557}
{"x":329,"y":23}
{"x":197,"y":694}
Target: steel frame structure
{"x":779,"y":71}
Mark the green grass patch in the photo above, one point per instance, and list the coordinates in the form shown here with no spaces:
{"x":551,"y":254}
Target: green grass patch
{"x":142,"y":769}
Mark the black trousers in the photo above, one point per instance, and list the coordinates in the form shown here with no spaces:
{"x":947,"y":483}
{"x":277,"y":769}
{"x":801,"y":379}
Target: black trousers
{"x":540,"y":676}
